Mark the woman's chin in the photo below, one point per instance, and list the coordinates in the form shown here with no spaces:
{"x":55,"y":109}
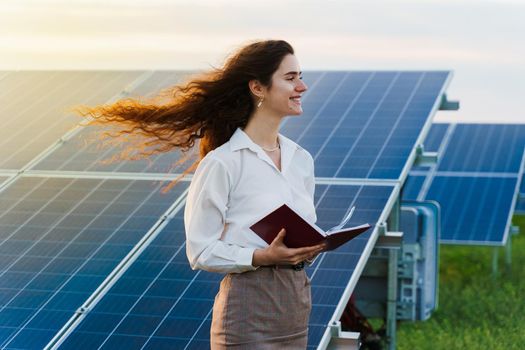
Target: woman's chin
{"x":295,"y":111}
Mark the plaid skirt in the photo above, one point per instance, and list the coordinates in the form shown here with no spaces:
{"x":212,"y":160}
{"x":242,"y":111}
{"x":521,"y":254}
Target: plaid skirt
{"x":267,"y":308}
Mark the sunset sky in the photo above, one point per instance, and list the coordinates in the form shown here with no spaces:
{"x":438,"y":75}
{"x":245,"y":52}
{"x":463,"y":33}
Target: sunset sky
{"x":481,"y":41}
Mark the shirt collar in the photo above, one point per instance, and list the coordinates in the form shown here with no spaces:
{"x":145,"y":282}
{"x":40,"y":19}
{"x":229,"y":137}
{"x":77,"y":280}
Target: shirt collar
{"x":240,"y":140}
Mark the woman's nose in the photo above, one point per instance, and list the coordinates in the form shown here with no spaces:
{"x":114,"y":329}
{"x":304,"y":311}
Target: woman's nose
{"x":302,"y":86}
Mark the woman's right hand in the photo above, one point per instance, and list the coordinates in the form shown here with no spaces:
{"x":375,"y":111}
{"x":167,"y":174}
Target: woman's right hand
{"x":278,"y":253}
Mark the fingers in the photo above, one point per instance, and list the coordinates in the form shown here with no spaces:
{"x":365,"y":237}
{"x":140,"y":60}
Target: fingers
{"x":309,"y":250}
{"x":301,"y":254}
{"x":303,"y":258}
{"x":280,"y":236}
{"x":281,"y":254}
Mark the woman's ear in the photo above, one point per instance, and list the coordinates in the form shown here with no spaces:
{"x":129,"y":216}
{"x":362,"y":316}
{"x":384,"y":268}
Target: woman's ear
{"x":256,"y":88}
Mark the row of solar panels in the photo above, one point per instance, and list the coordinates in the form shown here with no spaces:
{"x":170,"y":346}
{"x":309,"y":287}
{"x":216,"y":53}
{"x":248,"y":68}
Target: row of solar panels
{"x":476,"y":180}
{"x":67,"y":229}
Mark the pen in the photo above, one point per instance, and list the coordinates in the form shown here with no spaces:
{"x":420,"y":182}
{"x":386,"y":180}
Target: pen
{"x":345,"y":220}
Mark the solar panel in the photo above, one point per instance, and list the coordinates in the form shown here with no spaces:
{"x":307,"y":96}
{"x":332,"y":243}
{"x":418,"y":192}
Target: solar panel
{"x":366,"y":124}
{"x":160,"y":303}
{"x":485,"y":148}
{"x":59,"y":239}
{"x":158,"y":80}
{"x":474,"y":210}
{"x":356,"y":124}
{"x":84,"y":153}
{"x":32,"y":108}
{"x":475,"y":181}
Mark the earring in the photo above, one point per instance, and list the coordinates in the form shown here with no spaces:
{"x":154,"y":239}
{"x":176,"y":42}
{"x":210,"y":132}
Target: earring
{"x":260,"y":102}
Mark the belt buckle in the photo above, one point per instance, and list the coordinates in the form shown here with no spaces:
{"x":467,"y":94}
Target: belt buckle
{"x":299,"y":266}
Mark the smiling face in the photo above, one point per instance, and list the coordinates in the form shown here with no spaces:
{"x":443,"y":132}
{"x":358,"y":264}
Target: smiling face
{"x":284,"y":95}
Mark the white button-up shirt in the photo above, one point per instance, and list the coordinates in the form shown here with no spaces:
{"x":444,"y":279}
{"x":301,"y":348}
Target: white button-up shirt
{"x":233,"y":187}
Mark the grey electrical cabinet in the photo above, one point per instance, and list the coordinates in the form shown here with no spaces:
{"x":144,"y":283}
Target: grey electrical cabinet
{"x":419,"y":260}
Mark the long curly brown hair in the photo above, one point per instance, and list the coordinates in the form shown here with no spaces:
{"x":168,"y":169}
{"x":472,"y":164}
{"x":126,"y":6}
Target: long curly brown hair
{"x":208,"y":107}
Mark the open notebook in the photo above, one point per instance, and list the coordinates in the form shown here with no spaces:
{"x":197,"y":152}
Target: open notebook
{"x":300,"y":233}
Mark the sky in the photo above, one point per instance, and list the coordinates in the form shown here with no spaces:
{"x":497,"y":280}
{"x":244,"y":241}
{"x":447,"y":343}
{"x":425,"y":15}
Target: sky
{"x":480,"y":41}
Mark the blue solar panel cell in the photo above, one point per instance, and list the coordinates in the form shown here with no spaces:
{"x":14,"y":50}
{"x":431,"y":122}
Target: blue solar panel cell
{"x":485,"y":148}
{"x":412,"y":187}
{"x":58,"y":244}
{"x":435,"y":137}
{"x":172,"y":304}
{"x":474,"y":209}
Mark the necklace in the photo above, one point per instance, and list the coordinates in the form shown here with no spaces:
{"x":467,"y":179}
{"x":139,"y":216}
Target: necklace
{"x":273,"y":149}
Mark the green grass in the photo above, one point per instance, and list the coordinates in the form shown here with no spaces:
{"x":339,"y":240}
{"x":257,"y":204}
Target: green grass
{"x":476,"y":310}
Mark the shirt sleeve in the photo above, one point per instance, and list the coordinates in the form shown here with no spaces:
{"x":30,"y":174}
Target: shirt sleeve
{"x":204,"y":220}
{"x":310,"y":183}
{"x":310,"y":187}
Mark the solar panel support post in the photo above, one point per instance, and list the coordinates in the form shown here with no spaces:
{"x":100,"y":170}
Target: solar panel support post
{"x":508,"y":253}
{"x":495,"y":256}
{"x":391,"y":313}
{"x":447,"y":105}
{"x":342,"y":339}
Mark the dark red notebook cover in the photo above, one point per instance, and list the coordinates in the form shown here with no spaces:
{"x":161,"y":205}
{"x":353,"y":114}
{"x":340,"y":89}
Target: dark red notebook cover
{"x":299,"y":233}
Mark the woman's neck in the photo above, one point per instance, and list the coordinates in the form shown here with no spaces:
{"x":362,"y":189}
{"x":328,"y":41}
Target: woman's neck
{"x":263,"y":129}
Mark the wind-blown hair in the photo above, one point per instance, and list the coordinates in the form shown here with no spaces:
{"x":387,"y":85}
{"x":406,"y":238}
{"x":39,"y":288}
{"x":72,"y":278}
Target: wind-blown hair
{"x":209,"y":107}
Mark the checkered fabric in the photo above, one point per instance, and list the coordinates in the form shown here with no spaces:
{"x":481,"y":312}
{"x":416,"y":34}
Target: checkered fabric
{"x":263,"y":309}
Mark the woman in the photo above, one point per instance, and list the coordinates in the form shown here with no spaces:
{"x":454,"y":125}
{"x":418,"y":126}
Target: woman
{"x":246,"y":170}
{"x":263,"y":301}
